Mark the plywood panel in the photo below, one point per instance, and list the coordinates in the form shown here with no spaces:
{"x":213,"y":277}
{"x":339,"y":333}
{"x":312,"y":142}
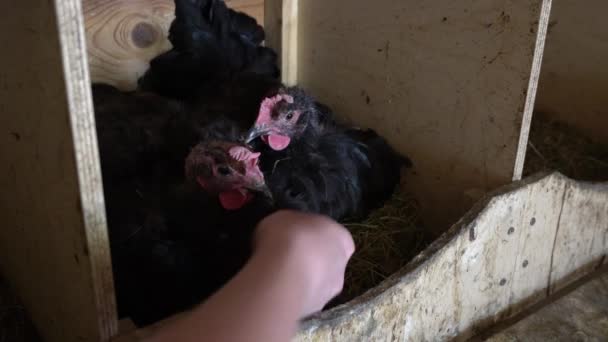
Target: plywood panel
{"x":53,"y":242}
{"x":574,"y":79}
{"x":446,"y":83}
{"x":124,"y":35}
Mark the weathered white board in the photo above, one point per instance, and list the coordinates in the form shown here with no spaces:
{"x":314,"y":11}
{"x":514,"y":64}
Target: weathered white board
{"x":53,"y":242}
{"x":503,"y":256}
{"x":448,"y":83}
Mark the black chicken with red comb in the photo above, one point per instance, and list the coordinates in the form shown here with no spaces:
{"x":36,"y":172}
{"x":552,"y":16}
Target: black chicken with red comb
{"x":354,"y":170}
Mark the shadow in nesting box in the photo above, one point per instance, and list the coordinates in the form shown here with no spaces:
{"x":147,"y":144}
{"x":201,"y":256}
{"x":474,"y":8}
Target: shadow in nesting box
{"x":15,"y":324}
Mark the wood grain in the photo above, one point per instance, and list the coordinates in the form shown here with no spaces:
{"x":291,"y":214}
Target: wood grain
{"x":124,"y":35}
{"x":447,"y":84}
{"x":53,"y":243}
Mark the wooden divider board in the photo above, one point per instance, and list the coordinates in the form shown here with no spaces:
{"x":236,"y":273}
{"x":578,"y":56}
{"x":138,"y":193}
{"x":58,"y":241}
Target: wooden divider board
{"x":124,"y":35}
{"x":53,"y":242}
{"x":506,"y":254}
{"x":447,"y":83}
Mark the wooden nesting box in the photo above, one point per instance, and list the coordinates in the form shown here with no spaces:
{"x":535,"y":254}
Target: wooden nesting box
{"x":451,"y":84}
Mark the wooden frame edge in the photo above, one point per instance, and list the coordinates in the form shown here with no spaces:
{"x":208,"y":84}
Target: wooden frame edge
{"x":70,"y":25}
{"x":541,"y":37}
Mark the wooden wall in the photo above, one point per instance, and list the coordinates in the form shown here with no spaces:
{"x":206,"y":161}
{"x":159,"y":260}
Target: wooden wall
{"x":574,"y":80}
{"x":53,"y":240}
{"x":448,"y":85}
{"x":124,"y":35}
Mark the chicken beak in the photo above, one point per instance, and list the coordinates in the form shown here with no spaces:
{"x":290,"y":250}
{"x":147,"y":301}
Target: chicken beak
{"x":262,"y":188}
{"x":255,"y":132}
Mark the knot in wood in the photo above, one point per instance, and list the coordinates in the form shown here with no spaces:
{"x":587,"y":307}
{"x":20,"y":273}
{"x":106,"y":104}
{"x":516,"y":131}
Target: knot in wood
{"x":144,"y":35}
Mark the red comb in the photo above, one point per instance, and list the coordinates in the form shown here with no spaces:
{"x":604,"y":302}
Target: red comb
{"x":268,"y":104}
{"x":242,"y":153}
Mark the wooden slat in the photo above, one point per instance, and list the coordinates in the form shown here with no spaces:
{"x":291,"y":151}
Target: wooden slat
{"x":289,"y":42}
{"x":124,"y":35}
{"x":578,"y":316}
{"x":53,"y":243}
{"x":446,"y":83}
{"x":524,"y":132}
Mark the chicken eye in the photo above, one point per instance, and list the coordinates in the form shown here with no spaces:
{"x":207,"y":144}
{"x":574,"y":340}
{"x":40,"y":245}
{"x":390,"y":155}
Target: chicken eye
{"x":224,"y":171}
{"x":293,"y":193}
{"x":289,"y":116}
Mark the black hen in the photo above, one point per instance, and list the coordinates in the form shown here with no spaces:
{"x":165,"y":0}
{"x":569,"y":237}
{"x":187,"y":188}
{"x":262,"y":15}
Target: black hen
{"x":172,"y":243}
{"x":342,"y":175}
{"x":131,"y":131}
{"x":291,"y":115}
{"x":347,"y":171}
{"x":215,"y":50}
{"x":181,"y":254}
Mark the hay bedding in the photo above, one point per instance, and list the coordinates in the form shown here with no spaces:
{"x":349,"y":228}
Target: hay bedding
{"x":557,"y":146}
{"x":393,"y":235}
{"x":386,"y":240}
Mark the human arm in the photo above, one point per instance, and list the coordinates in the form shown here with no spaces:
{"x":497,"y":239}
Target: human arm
{"x":297,"y":267}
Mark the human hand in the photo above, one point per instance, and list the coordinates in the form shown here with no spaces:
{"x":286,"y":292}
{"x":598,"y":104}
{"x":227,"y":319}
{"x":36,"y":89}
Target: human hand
{"x":316,"y":245}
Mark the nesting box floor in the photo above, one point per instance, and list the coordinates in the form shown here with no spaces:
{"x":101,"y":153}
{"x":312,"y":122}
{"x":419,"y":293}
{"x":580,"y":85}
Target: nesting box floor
{"x":581,"y":315}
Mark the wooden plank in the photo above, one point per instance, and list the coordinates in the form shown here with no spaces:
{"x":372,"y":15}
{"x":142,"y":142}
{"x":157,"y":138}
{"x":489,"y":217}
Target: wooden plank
{"x":492,"y":265}
{"x":524,"y":132}
{"x":124,"y":35}
{"x":574,"y":78}
{"x":289,"y":42}
{"x":53,"y":244}
{"x":446,"y":83}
